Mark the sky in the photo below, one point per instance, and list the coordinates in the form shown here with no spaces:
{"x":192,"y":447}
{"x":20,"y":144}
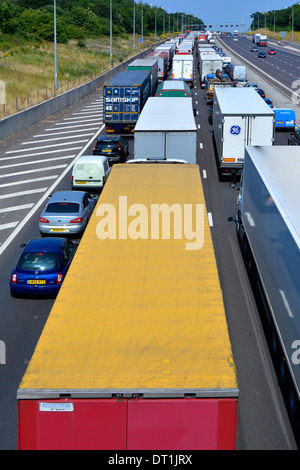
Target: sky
{"x":222,"y":12}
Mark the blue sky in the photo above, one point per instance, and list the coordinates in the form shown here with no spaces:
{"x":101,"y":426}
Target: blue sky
{"x":222,"y":12}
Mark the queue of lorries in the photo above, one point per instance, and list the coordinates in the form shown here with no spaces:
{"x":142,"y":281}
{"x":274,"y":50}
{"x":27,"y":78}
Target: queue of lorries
{"x":154,"y":369}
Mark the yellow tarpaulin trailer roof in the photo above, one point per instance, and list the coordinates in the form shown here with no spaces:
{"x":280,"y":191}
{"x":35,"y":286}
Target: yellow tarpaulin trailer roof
{"x":138,"y":315}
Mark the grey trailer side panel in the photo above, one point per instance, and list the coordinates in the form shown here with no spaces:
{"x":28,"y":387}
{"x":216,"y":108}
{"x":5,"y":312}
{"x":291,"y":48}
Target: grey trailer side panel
{"x":272,"y":227}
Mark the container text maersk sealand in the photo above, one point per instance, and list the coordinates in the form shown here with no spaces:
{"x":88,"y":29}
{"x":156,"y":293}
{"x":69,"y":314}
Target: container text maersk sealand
{"x":124,"y":98}
{"x":136,"y":352}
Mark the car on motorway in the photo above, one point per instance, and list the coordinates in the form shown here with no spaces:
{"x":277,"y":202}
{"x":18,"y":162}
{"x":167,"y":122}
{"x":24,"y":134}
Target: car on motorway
{"x":294,"y":137}
{"x":251,"y":84}
{"x":254,"y":49}
{"x":210,"y":115}
{"x":67,"y":213}
{"x":268,"y":102}
{"x":114,"y":147}
{"x":261,"y":55}
{"x":271,"y":52}
{"x":261,"y":92}
{"x":42,"y":267}
{"x":90,"y":173}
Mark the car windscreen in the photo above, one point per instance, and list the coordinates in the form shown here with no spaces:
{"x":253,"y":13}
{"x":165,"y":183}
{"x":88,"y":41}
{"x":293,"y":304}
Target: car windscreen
{"x":62,"y":208}
{"x":107,"y":146}
{"x":38,"y":261}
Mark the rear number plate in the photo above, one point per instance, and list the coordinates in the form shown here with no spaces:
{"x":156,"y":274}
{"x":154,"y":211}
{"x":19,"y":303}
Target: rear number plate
{"x":36,"y":281}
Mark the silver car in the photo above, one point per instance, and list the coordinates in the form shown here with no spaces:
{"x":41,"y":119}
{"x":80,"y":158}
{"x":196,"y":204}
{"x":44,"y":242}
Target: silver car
{"x":67,"y":212}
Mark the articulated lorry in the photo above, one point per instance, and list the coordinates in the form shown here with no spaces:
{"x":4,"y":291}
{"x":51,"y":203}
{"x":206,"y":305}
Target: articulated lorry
{"x":241,"y":118}
{"x":209,"y":63}
{"x":183,"y":68}
{"x":135,"y":353}
{"x":150,"y":64}
{"x":124,"y":98}
{"x":268,"y":226}
{"x":215,"y":80}
{"x":166,"y":129}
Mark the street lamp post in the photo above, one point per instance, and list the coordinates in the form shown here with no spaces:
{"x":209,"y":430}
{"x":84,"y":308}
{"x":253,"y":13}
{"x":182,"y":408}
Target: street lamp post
{"x":55,"y":48}
{"x":133,"y":24}
{"x":111,"y":60}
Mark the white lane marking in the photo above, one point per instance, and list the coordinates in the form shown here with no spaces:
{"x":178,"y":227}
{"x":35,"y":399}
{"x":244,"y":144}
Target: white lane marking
{"x":16,"y":208}
{"x":71,"y":127}
{"x":57,"y":138}
{"x":199,"y":126}
{"x":84,"y":118}
{"x":35,"y":161}
{"x":23,"y":193}
{"x":204,"y":174}
{"x":46,"y":146}
{"x":33,"y":180}
{"x":48,"y":191}
{"x":10,"y":225}
{"x":210,"y":219}
{"x":74,"y":122}
{"x":39,"y":153}
{"x":65,"y":132}
{"x":201,"y":145}
{"x":35,"y":170}
{"x":86,"y":113}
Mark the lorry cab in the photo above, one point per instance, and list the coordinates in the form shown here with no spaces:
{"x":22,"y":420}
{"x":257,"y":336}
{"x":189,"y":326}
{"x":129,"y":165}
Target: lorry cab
{"x":90,"y":172}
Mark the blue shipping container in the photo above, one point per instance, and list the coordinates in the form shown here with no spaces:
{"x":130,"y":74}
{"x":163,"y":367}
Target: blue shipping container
{"x":124,"y":98}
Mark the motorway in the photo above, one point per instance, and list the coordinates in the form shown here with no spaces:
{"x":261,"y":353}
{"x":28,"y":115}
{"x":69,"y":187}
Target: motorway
{"x":36,"y":162}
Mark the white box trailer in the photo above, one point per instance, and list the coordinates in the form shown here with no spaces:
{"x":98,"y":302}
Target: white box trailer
{"x":241,"y":118}
{"x":183,"y":68}
{"x":268,"y":225}
{"x":209,"y":63}
{"x":166,"y":129}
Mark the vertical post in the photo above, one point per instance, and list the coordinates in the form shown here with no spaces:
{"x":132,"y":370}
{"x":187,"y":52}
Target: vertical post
{"x":55,"y":48}
{"x":142,"y":24}
{"x":111,"y":60}
{"x":133,"y":24}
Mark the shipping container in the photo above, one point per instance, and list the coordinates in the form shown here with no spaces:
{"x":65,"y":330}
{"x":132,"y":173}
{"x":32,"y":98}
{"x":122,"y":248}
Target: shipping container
{"x":136,"y":353}
{"x":166,"y":129}
{"x":268,"y":226}
{"x":150,"y":64}
{"x":124,"y":97}
{"x":241,"y":118}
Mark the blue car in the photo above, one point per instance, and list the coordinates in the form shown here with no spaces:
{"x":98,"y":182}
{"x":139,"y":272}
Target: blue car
{"x":42,"y":267}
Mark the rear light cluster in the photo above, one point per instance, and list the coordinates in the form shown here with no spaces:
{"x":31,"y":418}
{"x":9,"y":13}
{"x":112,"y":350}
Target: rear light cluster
{"x":44,"y":221}
{"x":14,"y":279}
{"x":59,"y":279}
{"x":78,"y":220}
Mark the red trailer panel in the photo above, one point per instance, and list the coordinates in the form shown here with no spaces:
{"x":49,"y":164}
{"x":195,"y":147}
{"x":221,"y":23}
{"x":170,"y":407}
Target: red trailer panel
{"x":182,"y":424}
{"x":88,"y":424}
{"x":133,"y":424}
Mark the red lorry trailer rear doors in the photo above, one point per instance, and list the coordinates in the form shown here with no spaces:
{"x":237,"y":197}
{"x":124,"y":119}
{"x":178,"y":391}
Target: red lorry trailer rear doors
{"x":132,"y":424}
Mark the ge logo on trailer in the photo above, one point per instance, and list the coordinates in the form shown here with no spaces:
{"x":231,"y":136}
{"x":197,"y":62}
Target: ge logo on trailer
{"x":235,"y":130}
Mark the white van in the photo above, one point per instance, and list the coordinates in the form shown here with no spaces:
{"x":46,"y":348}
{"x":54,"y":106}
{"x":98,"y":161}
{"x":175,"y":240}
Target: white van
{"x":90,"y":172}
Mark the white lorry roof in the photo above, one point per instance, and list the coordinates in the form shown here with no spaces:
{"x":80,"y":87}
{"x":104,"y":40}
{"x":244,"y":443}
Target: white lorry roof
{"x":183,"y":57}
{"x":169,"y":114}
{"x":241,"y":101}
{"x":279,"y":167}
